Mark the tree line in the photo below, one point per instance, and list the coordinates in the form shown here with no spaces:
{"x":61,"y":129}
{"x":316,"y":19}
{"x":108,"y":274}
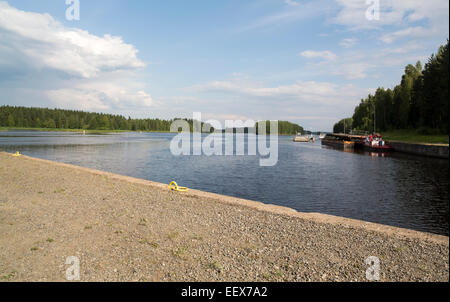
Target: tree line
{"x":419,"y":102}
{"x":24,"y":117}
{"x":31,"y":117}
{"x":284,"y":128}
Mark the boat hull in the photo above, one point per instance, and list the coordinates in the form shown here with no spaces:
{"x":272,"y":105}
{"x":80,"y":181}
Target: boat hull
{"x":304,"y":139}
{"x":385,"y":148}
{"x":338,"y":143}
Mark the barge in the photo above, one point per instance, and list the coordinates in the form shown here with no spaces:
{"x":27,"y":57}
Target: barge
{"x":372,"y":143}
{"x":343,"y":141}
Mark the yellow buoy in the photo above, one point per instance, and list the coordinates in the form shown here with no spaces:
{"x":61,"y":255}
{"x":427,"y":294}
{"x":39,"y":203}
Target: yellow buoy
{"x":174,"y":187}
{"x":17,"y":154}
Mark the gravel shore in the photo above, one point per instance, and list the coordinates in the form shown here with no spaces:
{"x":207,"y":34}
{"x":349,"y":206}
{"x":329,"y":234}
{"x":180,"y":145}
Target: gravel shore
{"x":126,"y":229}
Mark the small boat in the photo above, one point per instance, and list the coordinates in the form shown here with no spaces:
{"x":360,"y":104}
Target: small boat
{"x":322,"y":135}
{"x":304,"y":138}
{"x":375,"y":143}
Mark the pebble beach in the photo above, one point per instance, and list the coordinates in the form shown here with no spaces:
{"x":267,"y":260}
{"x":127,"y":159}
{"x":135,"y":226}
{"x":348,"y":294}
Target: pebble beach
{"x":127,"y":229}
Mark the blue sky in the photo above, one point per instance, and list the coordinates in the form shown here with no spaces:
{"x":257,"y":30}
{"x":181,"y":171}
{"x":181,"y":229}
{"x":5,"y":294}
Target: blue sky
{"x":308,"y":62}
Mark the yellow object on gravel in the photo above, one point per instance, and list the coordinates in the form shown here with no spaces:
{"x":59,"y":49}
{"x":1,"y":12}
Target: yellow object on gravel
{"x":17,"y":154}
{"x":174,"y":187}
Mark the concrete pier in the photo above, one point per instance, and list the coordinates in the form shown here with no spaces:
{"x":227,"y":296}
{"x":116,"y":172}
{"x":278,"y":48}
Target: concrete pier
{"x":429,"y":150}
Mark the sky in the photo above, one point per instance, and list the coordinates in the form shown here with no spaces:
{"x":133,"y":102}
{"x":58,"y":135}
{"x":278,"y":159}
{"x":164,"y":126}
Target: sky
{"x":308,"y":62}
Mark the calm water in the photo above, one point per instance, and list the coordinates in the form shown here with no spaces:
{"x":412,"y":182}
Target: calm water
{"x":398,"y":190}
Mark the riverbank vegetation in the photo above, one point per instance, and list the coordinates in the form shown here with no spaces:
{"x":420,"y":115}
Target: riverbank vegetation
{"x":417,"y":107}
{"x":415,"y":136}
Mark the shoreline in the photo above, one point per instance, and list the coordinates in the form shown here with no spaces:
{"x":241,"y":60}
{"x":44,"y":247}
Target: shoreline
{"x":234,"y":233}
{"x":88,"y":131}
{"x":6,"y":129}
{"x":260,"y":206}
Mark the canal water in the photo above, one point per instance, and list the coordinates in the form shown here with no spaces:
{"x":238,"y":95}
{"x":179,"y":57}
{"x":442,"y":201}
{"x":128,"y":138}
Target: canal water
{"x":398,"y":190}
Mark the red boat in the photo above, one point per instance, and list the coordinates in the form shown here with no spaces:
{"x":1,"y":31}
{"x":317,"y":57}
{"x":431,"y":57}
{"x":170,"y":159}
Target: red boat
{"x":376,"y":143}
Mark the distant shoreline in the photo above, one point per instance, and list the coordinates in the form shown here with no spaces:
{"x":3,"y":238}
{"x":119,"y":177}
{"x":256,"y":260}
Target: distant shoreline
{"x":90,"y":131}
{"x":4,"y":129}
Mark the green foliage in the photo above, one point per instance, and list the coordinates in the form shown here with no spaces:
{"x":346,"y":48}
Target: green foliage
{"x":23,"y":117}
{"x":420,"y":101}
{"x":421,"y":135}
{"x":284,"y":128}
{"x":343,"y":126}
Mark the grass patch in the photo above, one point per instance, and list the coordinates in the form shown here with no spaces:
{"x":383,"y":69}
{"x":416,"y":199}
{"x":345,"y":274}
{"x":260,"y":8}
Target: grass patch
{"x":400,"y":249}
{"x":197,"y":237}
{"x":415,"y":136}
{"x":273,"y":275}
{"x":62,"y":191}
{"x":153,"y":244}
{"x":216,"y":266}
{"x":172,"y":235}
{"x":34,"y":248}
{"x":50,"y":240}
{"x":180,"y":252}
{"x":9,"y":276}
{"x":88,"y":227}
{"x":143,"y":222}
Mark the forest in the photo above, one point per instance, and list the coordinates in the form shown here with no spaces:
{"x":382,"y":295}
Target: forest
{"x":44,"y":118}
{"x":284,"y":128}
{"x":419,"y":102}
{"x":24,"y":117}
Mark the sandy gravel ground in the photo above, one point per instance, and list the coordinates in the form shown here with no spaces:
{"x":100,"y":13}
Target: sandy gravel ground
{"x":125,"y":229}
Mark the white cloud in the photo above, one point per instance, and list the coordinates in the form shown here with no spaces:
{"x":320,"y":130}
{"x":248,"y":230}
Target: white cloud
{"x":49,"y":44}
{"x":404,"y":49}
{"x":291,"y":2}
{"x":348,"y":42}
{"x":316,"y":105}
{"x":410,"y":32}
{"x":324,"y":55}
{"x":306,"y":91}
{"x":352,"y":13}
{"x":83,"y":70}
{"x":352,"y":71}
{"x":292,"y":12}
{"x":100,"y":96}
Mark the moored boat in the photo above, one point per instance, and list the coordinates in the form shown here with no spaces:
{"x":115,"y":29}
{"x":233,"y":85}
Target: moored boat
{"x":304,"y":138}
{"x":375,"y":143}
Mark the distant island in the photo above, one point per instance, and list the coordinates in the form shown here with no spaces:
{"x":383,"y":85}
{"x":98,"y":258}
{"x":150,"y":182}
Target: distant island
{"x":284,"y":128}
